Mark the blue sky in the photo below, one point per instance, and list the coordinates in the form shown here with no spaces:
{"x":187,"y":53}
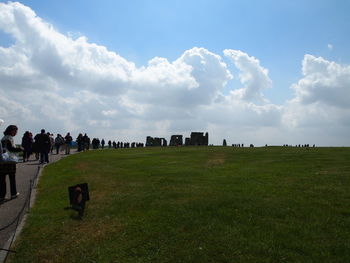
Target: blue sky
{"x":277,"y":33}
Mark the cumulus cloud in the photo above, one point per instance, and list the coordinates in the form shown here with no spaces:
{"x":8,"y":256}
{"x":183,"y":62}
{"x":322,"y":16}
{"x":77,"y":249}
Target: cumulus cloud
{"x":320,"y":107}
{"x":193,"y":79}
{"x":323,"y":81}
{"x":51,"y":80}
{"x":253,"y":76}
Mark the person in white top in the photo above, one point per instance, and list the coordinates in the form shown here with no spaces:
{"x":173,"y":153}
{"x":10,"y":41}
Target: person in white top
{"x":8,"y":167}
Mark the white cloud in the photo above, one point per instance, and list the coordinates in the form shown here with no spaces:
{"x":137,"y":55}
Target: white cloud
{"x":330,"y":46}
{"x":320,"y":106}
{"x":253,"y":76}
{"x":323,"y":81}
{"x":109,"y":113}
{"x":50,"y":80}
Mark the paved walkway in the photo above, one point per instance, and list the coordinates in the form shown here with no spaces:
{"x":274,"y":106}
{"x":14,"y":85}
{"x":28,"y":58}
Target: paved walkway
{"x":9,"y":211}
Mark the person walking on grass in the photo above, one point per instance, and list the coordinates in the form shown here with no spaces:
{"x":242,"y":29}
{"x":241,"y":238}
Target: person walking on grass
{"x":8,"y":168}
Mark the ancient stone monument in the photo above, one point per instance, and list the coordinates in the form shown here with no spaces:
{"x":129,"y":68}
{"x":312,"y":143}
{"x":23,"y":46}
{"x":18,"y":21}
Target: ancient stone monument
{"x":197,"y":138}
{"x":176,"y":140}
{"x":150,"y":141}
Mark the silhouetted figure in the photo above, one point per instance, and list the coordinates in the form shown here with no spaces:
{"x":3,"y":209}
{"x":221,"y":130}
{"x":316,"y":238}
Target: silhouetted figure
{"x":44,"y":145}
{"x":95,"y":143}
{"x":59,"y":141}
{"x":52,"y":142}
{"x":27,"y":144}
{"x":68,"y":142}
{"x":103,"y":143}
{"x":86,"y":142}
{"x":80,"y":142}
{"x":35,"y":148}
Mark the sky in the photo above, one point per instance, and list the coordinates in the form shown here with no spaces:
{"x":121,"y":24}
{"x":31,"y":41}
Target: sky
{"x":261,"y":72}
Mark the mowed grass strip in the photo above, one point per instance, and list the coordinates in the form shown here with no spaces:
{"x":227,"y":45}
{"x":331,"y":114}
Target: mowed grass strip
{"x":194,"y":204}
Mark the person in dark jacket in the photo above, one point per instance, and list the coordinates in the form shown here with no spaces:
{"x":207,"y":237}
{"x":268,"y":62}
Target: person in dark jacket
{"x":8,"y":168}
{"x":27,"y":144}
{"x":86,"y":142}
{"x":80,"y":142}
{"x":44,"y":146}
{"x":68,"y":142}
{"x":103,"y":143}
{"x":59,"y":141}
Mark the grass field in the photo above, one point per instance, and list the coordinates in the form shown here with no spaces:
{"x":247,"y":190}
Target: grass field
{"x":194,"y":204}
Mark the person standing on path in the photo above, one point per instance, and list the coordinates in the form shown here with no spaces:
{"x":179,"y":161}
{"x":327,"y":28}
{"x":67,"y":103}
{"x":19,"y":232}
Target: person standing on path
{"x":68,"y":141}
{"x":43,"y":144}
{"x":27,"y":144}
{"x":52,"y":141}
{"x":8,"y":168}
{"x":80,"y":142}
{"x":59,"y":141}
{"x":86,"y":142}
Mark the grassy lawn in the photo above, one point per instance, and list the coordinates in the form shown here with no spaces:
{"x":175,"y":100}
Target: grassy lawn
{"x":194,"y":204}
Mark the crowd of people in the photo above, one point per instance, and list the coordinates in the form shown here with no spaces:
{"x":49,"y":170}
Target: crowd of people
{"x":44,"y":143}
{"x":41,"y":145}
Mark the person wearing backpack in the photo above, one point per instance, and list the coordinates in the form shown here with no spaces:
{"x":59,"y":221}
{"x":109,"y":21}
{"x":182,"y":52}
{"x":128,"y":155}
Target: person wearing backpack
{"x":59,"y":141}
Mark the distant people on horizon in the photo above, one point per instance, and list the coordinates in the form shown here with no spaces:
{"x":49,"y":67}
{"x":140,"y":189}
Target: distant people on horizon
{"x":80,"y":142}
{"x":103,"y":143}
{"x":35,"y":147}
{"x":8,"y":168}
{"x":27,"y":145}
{"x":52,"y":141}
{"x":86,"y":142}
{"x":95,"y":143}
{"x":68,"y":142}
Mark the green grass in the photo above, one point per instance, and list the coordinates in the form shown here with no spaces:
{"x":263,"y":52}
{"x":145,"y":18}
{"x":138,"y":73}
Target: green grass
{"x":194,"y":204}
